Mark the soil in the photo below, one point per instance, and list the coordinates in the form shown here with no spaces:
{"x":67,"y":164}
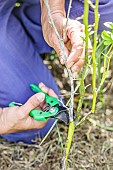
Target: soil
{"x":92,"y":147}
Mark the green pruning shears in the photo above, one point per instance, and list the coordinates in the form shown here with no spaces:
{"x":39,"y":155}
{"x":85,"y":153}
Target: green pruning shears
{"x":54,"y":108}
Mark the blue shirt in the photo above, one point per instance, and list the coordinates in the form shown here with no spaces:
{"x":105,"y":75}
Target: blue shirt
{"x":22,"y":42}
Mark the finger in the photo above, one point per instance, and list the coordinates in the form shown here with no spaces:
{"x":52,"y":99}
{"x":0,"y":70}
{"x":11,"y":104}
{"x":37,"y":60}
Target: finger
{"x":77,"y":67}
{"x":75,"y":75}
{"x":68,"y":45}
{"x":74,"y":56}
{"x":62,"y":56}
{"x":57,"y":47}
{"x":71,"y":23}
{"x":47,"y":90}
{"x":31,"y":104}
{"x":77,"y":47}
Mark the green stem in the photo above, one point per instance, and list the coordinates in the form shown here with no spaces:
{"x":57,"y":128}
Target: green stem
{"x":106,"y":67}
{"x":82,"y":85}
{"x":94,"y":56}
{"x":69,"y":138}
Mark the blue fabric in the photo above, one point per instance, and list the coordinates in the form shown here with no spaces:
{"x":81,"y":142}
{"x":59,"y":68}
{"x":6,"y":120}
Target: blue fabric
{"x":105,"y":11}
{"x":21,"y":43}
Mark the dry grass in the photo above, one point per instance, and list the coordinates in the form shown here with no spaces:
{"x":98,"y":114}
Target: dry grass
{"x":92,"y":147}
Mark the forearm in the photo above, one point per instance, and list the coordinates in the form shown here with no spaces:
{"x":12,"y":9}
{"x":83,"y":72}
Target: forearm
{"x":56,"y":6}
{"x":1,"y":123}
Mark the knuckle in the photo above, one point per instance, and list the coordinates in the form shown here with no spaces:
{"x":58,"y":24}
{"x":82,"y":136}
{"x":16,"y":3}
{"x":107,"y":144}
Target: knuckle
{"x":81,"y":63}
{"x":34,"y":101}
{"x":45,"y":89}
{"x":20,"y":113}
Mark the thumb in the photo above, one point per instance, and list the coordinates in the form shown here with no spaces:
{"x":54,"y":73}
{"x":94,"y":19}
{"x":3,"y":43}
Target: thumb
{"x":31,"y":104}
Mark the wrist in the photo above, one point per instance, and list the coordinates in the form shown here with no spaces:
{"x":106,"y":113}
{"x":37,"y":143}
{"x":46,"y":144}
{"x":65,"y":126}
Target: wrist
{"x":56,"y":6}
{"x":1,"y":111}
{"x":57,"y":11}
{"x":1,"y":122}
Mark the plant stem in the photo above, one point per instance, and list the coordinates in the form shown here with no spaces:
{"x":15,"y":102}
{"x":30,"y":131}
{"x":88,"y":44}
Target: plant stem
{"x":69,"y":138}
{"x":61,"y":42}
{"x":69,"y":141}
{"x":69,"y":9}
{"x":94,"y":56}
{"x":82,"y":85}
{"x":106,"y":67}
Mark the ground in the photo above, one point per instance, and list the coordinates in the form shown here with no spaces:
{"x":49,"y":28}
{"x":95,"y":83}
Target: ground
{"x":92,"y":147}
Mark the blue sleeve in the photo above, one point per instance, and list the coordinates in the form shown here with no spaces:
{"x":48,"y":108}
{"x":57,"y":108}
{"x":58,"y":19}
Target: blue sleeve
{"x":21,"y":43}
{"x":6,"y":6}
{"x":105,"y":11}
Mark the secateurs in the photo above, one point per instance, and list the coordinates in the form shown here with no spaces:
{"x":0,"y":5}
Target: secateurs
{"x":54,"y":108}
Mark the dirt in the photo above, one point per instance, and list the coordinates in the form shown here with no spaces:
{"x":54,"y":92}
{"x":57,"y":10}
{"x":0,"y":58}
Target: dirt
{"x":92,"y":147}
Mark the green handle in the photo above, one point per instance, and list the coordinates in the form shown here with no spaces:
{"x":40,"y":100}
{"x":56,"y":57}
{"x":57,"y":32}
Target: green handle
{"x":11,"y":104}
{"x":36,"y":89}
{"x":39,"y":115}
{"x":52,"y":101}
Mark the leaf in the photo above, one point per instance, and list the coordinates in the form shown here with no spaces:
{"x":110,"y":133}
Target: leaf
{"x":108,"y":42}
{"x":112,"y":36}
{"x":105,"y":35}
{"x":109,"y":25}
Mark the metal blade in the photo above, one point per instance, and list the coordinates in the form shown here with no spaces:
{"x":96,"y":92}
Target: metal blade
{"x":63,"y":115}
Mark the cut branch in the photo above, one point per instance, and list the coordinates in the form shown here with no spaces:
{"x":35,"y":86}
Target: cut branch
{"x":61,"y":42}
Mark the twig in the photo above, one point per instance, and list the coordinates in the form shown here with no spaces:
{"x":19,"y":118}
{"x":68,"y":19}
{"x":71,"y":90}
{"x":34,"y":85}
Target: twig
{"x":64,"y":58}
{"x":48,"y":132}
{"x":102,"y":126}
{"x":83,"y":119}
{"x":69,"y":9}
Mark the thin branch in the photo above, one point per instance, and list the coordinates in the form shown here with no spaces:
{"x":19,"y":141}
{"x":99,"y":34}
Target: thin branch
{"x":64,"y":58}
{"x":69,"y":9}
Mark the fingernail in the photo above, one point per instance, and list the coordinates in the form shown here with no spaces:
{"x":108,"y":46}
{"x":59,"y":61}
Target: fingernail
{"x":75,"y":69}
{"x":41,"y":84}
{"x":62,"y":61}
{"x":75,"y":75}
{"x":40,"y":96}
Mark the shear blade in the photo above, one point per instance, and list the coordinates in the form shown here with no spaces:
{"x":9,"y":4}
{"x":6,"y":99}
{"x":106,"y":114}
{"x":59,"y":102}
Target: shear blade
{"x":63,"y":115}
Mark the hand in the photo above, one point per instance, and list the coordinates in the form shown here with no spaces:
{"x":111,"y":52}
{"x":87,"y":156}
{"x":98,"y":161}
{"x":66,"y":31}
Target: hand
{"x":73,"y":40}
{"x":15,"y":119}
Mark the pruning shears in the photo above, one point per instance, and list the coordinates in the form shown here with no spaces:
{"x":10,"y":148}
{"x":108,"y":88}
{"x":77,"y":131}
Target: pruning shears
{"x":54,"y":108}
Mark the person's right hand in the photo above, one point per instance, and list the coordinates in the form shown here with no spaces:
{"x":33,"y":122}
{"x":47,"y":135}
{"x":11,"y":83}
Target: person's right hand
{"x":15,"y":119}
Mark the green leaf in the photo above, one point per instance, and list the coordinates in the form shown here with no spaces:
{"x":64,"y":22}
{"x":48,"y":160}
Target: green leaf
{"x":105,"y":35}
{"x":108,"y":42}
{"x":112,"y":36}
